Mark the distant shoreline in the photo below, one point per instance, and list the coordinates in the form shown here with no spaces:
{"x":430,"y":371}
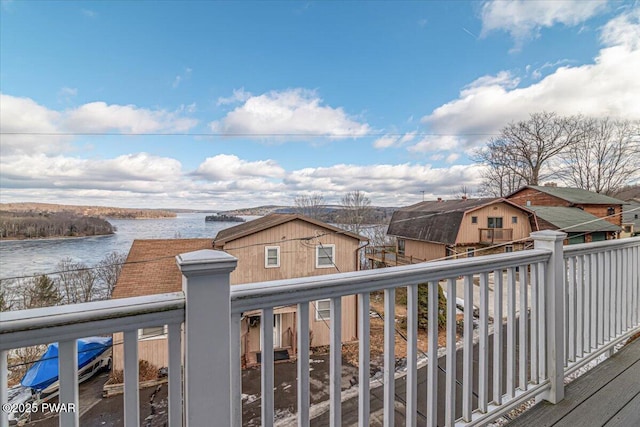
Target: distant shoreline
{"x":39,"y":239}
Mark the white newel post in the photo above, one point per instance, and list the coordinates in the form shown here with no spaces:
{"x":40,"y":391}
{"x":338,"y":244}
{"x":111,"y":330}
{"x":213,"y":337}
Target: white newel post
{"x":553,"y":310}
{"x":207,"y":380}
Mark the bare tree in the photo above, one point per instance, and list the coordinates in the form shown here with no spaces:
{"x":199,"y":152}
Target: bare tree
{"x":77,"y":282}
{"x":108,"y":270}
{"x":355,"y":211}
{"x":525,"y":149}
{"x":309,"y":205}
{"x":606,"y":158}
{"x":499,"y":181}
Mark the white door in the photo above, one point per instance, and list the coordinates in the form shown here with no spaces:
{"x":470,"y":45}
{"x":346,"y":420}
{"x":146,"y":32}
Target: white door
{"x":277,"y":332}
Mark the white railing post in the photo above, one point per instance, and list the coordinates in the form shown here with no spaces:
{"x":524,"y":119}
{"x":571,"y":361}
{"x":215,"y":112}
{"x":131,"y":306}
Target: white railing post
{"x":207,"y":360}
{"x":553,"y":310}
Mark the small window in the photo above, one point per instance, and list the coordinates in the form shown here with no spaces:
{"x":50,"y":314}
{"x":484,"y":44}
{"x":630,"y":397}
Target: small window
{"x":325,"y":256}
{"x":635,"y":216}
{"x":514,"y":220}
{"x":271,"y":256}
{"x":474,"y":220}
{"x":611,"y":211}
{"x":323,"y":309}
{"x":508,"y":248}
{"x":400,"y":246}
{"x":152,"y":332}
{"x":471,"y":252}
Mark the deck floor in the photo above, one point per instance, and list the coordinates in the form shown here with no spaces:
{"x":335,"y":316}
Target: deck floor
{"x":608,"y":395}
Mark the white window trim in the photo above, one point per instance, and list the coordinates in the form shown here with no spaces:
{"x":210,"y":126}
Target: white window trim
{"x":321,"y":318}
{"x":333,"y":255}
{"x":142,"y":337}
{"x":508,"y":251}
{"x":266,"y":256}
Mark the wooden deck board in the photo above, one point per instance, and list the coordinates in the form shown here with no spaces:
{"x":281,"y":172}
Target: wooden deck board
{"x":588,"y":385}
{"x":627,"y":416}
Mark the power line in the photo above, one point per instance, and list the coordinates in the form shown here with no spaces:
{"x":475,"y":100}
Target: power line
{"x":250,"y":134}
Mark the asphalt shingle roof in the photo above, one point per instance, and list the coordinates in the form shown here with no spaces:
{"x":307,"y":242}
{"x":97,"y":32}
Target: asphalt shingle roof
{"x":433,"y":221}
{"x":573,"y":220}
{"x":151,"y":266}
{"x":577,"y":195}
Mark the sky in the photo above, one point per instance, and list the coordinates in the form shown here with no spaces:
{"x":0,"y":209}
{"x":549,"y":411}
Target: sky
{"x":229,"y":104}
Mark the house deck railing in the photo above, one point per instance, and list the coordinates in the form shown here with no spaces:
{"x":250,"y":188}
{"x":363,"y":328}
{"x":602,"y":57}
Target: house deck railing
{"x":550,"y":309}
{"x":495,"y":235}
{"x":388,"y":256}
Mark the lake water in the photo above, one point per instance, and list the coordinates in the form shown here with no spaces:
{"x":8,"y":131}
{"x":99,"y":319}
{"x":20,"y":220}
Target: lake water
{"x":29,"y":257}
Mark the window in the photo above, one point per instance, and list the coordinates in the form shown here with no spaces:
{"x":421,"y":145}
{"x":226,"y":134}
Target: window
{"x":474,"y":220}
{"x":271,"y":256}
{"x":611,"y":211}
{"x":471,"y":252}
{"x":494,"y":222}
{"x":323,"y":309}
{"x":325,"y":255}
{"x":514,"y":220}
{"x":401,"y":247}
{"x":508,"y":248}
{"x":152,"y":332}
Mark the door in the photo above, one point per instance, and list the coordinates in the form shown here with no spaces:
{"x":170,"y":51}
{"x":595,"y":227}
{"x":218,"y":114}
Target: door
{"x":277,"y":332}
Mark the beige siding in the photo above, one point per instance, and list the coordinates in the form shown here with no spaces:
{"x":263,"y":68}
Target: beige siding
{"x":425,"y":251}
{"x":470,"y":233}
{"x":152,"y":350}
{"x":320,"y":328}
{"x":297,"y":257}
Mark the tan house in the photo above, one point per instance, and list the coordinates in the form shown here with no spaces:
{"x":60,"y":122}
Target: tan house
{"x":276,"y":246}
{"x":460,"y":228}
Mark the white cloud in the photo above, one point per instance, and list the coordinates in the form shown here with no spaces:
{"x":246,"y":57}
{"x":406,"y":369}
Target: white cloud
{"x":523,"y":19}
{"x":623,"y":30}
{"x":141,"y":173}
{"x":387,"y":141}
{"x":26,"y":119}
{"x":102,"y":117}
{"x":431,"y":143}
{"x":30,"y":123}
{"x":225,"y":167}
{"x":607,"y":87}
{"x":290,"y":114}
{"x":239,"y":95}
{"x":68,"y":92}
{"x":89,"y":13}
{"x":452,"y":157}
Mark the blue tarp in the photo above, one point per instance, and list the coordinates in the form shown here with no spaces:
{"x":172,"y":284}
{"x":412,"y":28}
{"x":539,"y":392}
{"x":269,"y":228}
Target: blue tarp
{"x":44,"y":372}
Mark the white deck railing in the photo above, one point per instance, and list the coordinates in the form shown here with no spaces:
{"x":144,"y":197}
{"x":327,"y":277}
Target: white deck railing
{"x":520,"y":334}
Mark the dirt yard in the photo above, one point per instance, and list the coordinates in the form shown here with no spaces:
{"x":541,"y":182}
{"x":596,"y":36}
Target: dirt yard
{"x":350,"y":350}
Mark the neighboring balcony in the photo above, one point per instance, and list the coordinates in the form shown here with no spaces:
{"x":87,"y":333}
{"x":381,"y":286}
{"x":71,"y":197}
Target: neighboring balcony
{"x":529,"y":319}
{"x":388,"y":256}
{"x":496,"y":235}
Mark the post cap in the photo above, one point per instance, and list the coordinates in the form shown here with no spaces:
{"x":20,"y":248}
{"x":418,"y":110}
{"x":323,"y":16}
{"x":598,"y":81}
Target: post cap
{"x":548,"y":235}
{"x":206,"y":261}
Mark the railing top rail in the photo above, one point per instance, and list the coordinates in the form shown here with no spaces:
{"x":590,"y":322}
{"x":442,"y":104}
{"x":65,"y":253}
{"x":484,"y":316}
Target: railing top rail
{"x":596,"y":247}
{"x":64,"y":315}
{"x":278,"y":293}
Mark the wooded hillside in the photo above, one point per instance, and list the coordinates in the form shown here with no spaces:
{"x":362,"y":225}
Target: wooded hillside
{"x":95,"y":211}
{"x":31,"y":225}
